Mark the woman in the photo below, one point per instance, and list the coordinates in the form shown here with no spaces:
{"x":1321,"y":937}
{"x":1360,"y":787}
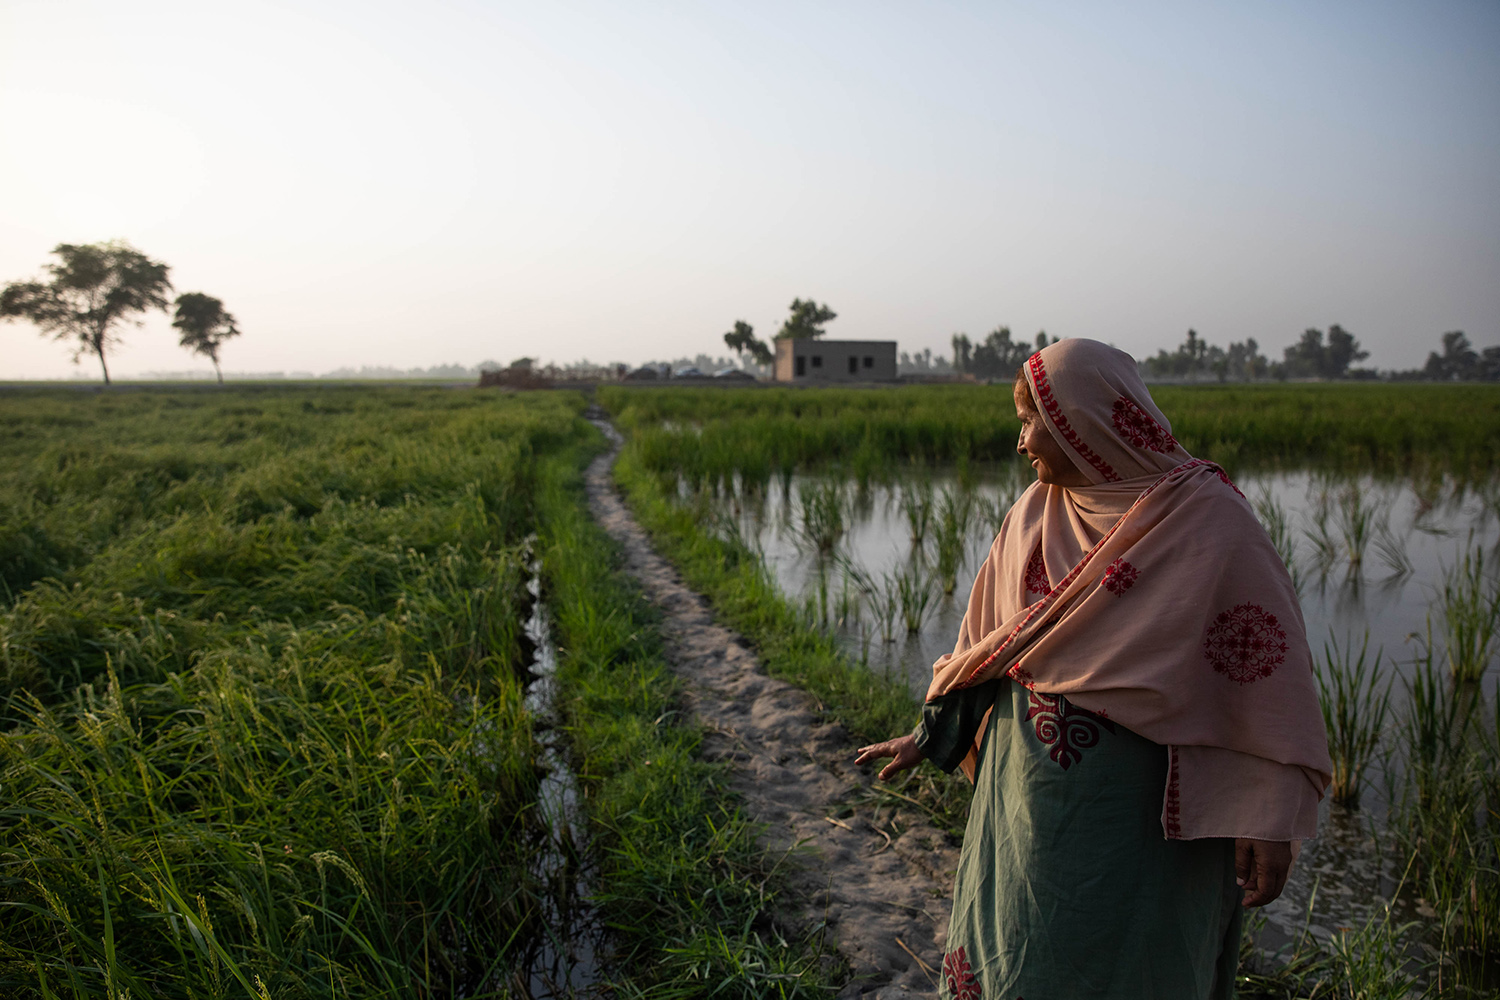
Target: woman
{"x":1132,"y":695}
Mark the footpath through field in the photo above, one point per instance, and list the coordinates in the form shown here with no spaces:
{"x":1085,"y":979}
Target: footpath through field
{"x":885,"y":899}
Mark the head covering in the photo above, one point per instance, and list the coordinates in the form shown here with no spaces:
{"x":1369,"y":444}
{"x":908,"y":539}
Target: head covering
{"x":1155,"y":599}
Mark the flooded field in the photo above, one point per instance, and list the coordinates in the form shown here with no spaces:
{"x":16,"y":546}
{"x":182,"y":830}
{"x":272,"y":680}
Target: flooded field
{"x":887,"y":567}
{"x":861,"y":517}
{"x":1412,"y":537}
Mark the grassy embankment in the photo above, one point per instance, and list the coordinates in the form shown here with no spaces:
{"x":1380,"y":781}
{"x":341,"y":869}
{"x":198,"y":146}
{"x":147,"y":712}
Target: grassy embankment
{"x":717,"y":442}
{"x":264,"y":730}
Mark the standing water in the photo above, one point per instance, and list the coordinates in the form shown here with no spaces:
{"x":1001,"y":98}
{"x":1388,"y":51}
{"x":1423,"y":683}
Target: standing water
{"x":887,"y":568}
{"x":563,"y":962}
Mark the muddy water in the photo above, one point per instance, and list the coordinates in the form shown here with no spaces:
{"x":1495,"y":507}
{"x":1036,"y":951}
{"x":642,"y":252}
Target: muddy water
{"x":1414,"y":532}
{"x":564,"y":962}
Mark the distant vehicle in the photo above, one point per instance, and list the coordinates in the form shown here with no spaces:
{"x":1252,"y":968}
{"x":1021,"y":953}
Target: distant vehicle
{"x":734,"y":373}
{"x":644,"y":373}
{"x":688,"y":372}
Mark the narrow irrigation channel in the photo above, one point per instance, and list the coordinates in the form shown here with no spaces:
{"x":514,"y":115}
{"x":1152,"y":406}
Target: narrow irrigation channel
{"x":563,"y":961}
{"x":875,"y":875}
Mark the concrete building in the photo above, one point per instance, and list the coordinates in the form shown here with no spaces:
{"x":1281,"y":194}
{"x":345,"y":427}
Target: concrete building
{"x":818,"y":360}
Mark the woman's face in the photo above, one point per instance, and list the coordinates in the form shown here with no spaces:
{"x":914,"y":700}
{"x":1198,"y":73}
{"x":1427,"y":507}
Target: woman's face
{"x":1051,"y":463}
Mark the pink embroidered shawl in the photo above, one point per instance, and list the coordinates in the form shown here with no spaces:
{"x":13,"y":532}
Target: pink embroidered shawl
{"x":1155,"y":599}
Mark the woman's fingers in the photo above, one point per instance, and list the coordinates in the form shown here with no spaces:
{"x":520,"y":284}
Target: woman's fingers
{"x":876,"y":751}
{"x":1261,"y":868}
{"x":903,"y":749}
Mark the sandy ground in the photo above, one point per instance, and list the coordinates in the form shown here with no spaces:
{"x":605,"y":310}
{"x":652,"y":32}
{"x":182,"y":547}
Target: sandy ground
{"x":885,"y":898}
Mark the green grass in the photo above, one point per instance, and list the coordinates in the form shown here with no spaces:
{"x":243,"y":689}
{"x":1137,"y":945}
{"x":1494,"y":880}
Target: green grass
{"x":264,"y":728}
{"x":1470,"y":604}
{"x":790,"y":643}
{"x":1446,"y":813}
{"x":710,"y":435}
{"x":261,"y":652}
{"x":265,"y":734}
{"x":684,"y":887}
{"x":1354,"y":707}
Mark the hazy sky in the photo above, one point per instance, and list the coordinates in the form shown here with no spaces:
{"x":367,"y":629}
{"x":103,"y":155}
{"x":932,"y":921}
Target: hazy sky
{"x":408,"y":184}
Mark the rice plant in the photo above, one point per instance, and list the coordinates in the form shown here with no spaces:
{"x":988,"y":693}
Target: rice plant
{"x":1444,"y":817}
{"x":1325,"y":547}
{"x":916,"y":505}
{"x":265,"y":728}
{"x":1273,"y":517}
{"x":955,"y":508}
{"x":1388,"y":427}
{"x":1356,"y":522}
{"x":1435,"y":732}
{"x":882,"y":598}
{"x":991,"y":513}
{"x":915,"y":594}
{"x":847,"y":604}
{"x":1470,"y":604}
{"x":1392,"y":550}
{"x":1354,"y":706}
{"x":821,"y":514}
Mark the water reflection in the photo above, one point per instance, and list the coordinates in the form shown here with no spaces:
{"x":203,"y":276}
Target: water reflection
{"x":887,"y":567}
{"x":563,"y":960}
{"x":1366,"y":553}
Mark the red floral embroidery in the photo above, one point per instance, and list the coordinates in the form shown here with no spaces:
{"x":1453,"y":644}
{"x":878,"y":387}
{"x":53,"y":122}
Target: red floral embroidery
{"x":1023,"y":677}
{"x":1245,"y":643}
{"x":959,"y":977}
{"x":1140,"y":428}
{"x":1119,"y":577}
{"x":1225,"y":476}
{"x":1174,"y":799}
{"x":1050,"y":404}
{"x":1046,"y":602}
{"x":1036,"y":574}
{"x":1066,"y":728}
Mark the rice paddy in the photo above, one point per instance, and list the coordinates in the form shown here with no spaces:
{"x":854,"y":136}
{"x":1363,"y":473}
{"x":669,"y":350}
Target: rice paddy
{"x":272,"y":725}
{"x":267,"y":730}
{"x":1387,"y":523}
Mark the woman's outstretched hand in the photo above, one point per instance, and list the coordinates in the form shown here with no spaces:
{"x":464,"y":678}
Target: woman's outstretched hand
{"x":1261,"y":868}
{"x":903,"y":748}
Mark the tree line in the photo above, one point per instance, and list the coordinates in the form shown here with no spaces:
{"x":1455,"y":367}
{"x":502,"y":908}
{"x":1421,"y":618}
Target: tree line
{"x":1312,"y":356}
{"x":1316,"y":354}
{"x":94,"y":289}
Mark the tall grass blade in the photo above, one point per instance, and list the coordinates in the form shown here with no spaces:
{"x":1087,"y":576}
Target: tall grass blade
{"x":1355,"y":706}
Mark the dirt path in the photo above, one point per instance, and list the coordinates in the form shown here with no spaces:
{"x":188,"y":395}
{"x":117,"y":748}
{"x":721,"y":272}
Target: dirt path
{"x":886,"y":899}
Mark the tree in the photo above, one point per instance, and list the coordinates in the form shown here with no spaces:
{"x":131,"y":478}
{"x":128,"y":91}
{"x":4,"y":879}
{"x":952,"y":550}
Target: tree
{"x":1459,"y":360}
{"x":806,"y":321}
{"x":204,"y":325}
{"x":1304,"y":359}
{"x":999,"y":357}
{"x":1311,"y":357}
{"x":962,"y":352}
{"x":1343,"y":350}
{"x":94,"y":288}
{"x":1243,"y":362}
{"x":742,"y":341}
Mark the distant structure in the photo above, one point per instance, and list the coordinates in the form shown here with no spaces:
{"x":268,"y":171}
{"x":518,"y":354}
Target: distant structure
{"x":818,"y":360}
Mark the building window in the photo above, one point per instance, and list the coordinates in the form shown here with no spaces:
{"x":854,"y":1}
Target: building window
{"x":817,"y":360}
{"x":801,"y":366}
{"x":853,"y":365}
{"x":869,"y":361}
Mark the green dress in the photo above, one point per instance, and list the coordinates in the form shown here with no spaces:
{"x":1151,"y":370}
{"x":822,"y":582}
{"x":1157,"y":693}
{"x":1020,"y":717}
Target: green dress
{"x":1066,"y":886}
